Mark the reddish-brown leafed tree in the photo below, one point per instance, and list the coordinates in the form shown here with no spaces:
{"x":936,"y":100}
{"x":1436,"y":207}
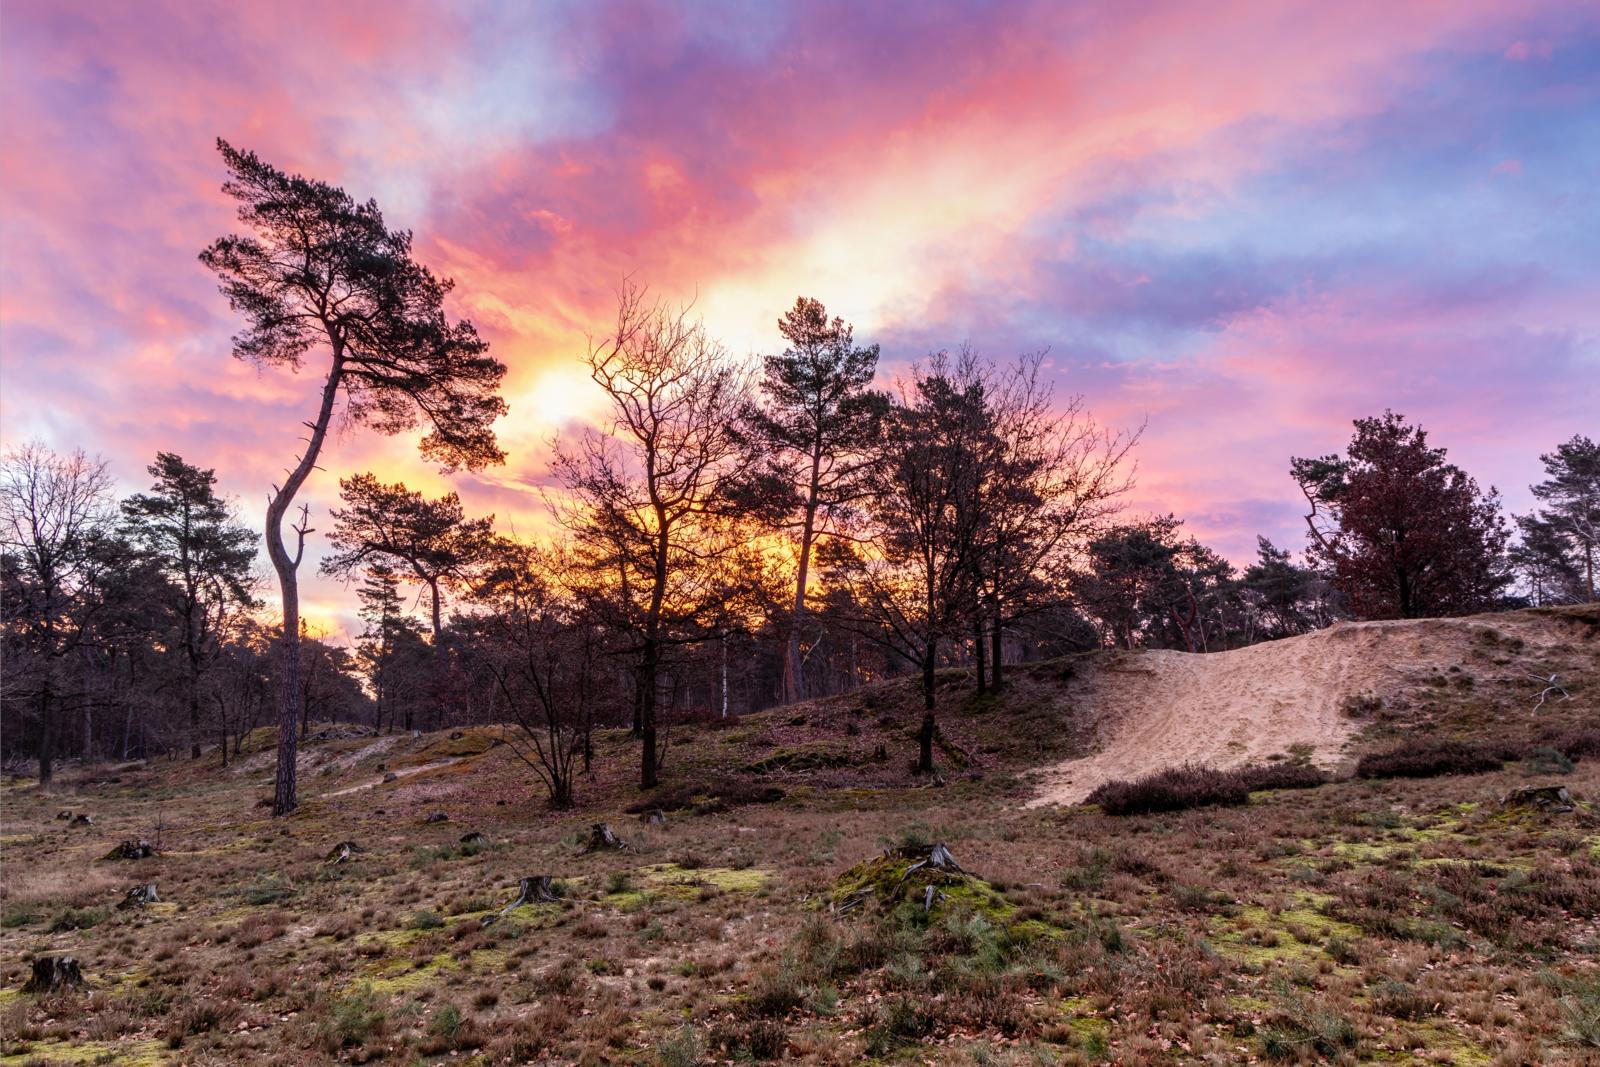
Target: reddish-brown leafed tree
{"x":1405,"y":534}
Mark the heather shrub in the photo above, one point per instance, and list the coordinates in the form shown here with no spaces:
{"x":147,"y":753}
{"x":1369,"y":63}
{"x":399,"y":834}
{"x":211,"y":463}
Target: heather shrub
{"x":1428,"y":758}
{"x":1175,"y":789}
{"x":1282,"y":776}
{"x":1576,"y":743}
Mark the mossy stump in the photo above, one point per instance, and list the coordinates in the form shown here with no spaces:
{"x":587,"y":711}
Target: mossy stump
{"x":51,"y":974}
{"x":139,"y":896}
{"x":926,"y":876}
{"x":1550,"y":799}
{"x":604,"y":839}
{"x":131,"y":850}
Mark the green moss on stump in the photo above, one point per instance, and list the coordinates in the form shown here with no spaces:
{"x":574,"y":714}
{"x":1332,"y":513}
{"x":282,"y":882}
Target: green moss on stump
{"x":901,"y":876}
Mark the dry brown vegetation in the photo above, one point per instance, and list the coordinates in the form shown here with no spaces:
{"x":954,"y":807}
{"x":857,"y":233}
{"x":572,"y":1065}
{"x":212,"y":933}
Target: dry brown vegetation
{"x":1386,"y":920}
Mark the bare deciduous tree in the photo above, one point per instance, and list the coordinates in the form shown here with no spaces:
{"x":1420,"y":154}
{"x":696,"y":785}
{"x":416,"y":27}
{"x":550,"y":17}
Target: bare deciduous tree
{"x":54,"y":512}
{"x":647,"y":499}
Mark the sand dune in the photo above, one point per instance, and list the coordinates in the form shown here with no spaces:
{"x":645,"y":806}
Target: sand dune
{"x":1160,"y":708}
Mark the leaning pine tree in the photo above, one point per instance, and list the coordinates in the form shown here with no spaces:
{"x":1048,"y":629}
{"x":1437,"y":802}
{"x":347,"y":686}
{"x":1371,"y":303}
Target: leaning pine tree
{"x":319,"y":272}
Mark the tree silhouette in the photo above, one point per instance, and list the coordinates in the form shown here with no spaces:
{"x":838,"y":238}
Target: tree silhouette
{"x":1572,"y":493}
{"x":648,"y":502}
{"x":432,"y":541}
{"x":1047,"y":482}
{"x":815,"y":428}
{"x":908,"y":566}
{"x":55,"y":514}
{"x":390,"y":650}
{"x":320,"y":271}
{"x":195,"y":541}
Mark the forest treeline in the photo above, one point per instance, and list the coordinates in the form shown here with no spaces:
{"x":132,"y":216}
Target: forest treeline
{"x":731,"y":536}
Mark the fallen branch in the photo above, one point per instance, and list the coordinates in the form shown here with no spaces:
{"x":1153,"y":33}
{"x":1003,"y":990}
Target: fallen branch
{"x":1550,"y":686}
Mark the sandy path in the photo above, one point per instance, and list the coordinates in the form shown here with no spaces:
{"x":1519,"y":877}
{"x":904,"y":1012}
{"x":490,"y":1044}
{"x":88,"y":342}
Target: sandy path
{"x":1225,"y":709}
{"x":404,"y":772}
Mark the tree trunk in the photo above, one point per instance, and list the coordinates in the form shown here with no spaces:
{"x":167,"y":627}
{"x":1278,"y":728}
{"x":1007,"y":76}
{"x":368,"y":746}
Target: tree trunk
{"x":283,"y":798}
{"x":995,"y":649}
{"x":794,"y":687}
{"x":647,"y":714}
{"x":724,"y":676}
{"x":290,"y":698}
{"x":638,"y":702}
{"x":194,"y":720}
{"x":978,"y":655}
{"x":925,"y":744}
{"x":47,"y":742}
{"x":929,"y":658}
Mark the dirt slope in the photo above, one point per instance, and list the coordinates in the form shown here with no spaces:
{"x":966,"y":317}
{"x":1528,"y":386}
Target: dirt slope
{"x":1158,"y":709}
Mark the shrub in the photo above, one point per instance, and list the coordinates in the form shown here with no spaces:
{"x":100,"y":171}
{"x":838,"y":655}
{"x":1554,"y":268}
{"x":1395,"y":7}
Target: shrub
{"x":1423,"y":757}
{"x":758,"y":1039}
{"x":79,"y":919}
{"x":269,"y":890}
{"x":1575,"y":742}
{"x":1547,"y":761}
{"x":1189,"y":786}
{"x":706,"y":797}
{"x":352,"y":1020}
{"x":1581,"y":1006}
{"x":1282,"y":776}
{"x":775,"y":992}
{"x":682,"y":1049}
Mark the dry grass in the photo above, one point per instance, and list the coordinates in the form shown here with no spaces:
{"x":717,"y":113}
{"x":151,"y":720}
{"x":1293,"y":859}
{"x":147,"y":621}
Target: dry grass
{"x":1397,"y":920}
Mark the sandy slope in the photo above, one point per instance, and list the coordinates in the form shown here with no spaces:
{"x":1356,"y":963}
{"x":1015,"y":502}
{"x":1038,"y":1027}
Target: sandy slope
{"x":1159,"y":708}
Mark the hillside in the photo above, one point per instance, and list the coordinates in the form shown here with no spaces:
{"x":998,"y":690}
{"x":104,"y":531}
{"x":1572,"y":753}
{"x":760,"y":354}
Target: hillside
{"x":1367,"y":921}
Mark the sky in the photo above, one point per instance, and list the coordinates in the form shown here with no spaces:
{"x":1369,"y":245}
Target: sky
{"x":1241,"y":225}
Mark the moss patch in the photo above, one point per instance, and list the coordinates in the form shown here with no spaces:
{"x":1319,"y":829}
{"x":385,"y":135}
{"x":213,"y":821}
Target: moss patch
{"x":403,"y":976}
{"x":801,"y":758}
{"x":130,"y":1053}
{"x":670,"y":881}
{"x":1255,"y":935}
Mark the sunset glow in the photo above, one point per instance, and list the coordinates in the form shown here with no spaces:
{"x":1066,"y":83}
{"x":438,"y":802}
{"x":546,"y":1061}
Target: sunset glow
{"x":1247,"y":224}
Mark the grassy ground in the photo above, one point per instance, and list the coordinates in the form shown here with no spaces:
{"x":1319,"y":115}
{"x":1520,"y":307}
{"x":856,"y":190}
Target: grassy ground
{"x":1410,"y":921}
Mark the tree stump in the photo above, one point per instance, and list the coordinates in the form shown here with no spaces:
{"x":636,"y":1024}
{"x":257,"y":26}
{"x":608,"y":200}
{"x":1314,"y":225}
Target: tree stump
{"x":923,"y":881}
{"x":537,"y":889}
{"x":52,"y":974}
{"x":456,"y":735}
{"x":1550,"y":799}
{"x":437,"y":816}
{"x":139,"y":896}
{"x":390,"y":776}
{"x":475,"y":840}
{"x":938,"y":858}
{"x":131,"y":850}
{"x":603,"y":838}
{"x":343,"y":852}
{"x":82,"y":819}
{"x":654,"y":817}
{"x":63,"y":814}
